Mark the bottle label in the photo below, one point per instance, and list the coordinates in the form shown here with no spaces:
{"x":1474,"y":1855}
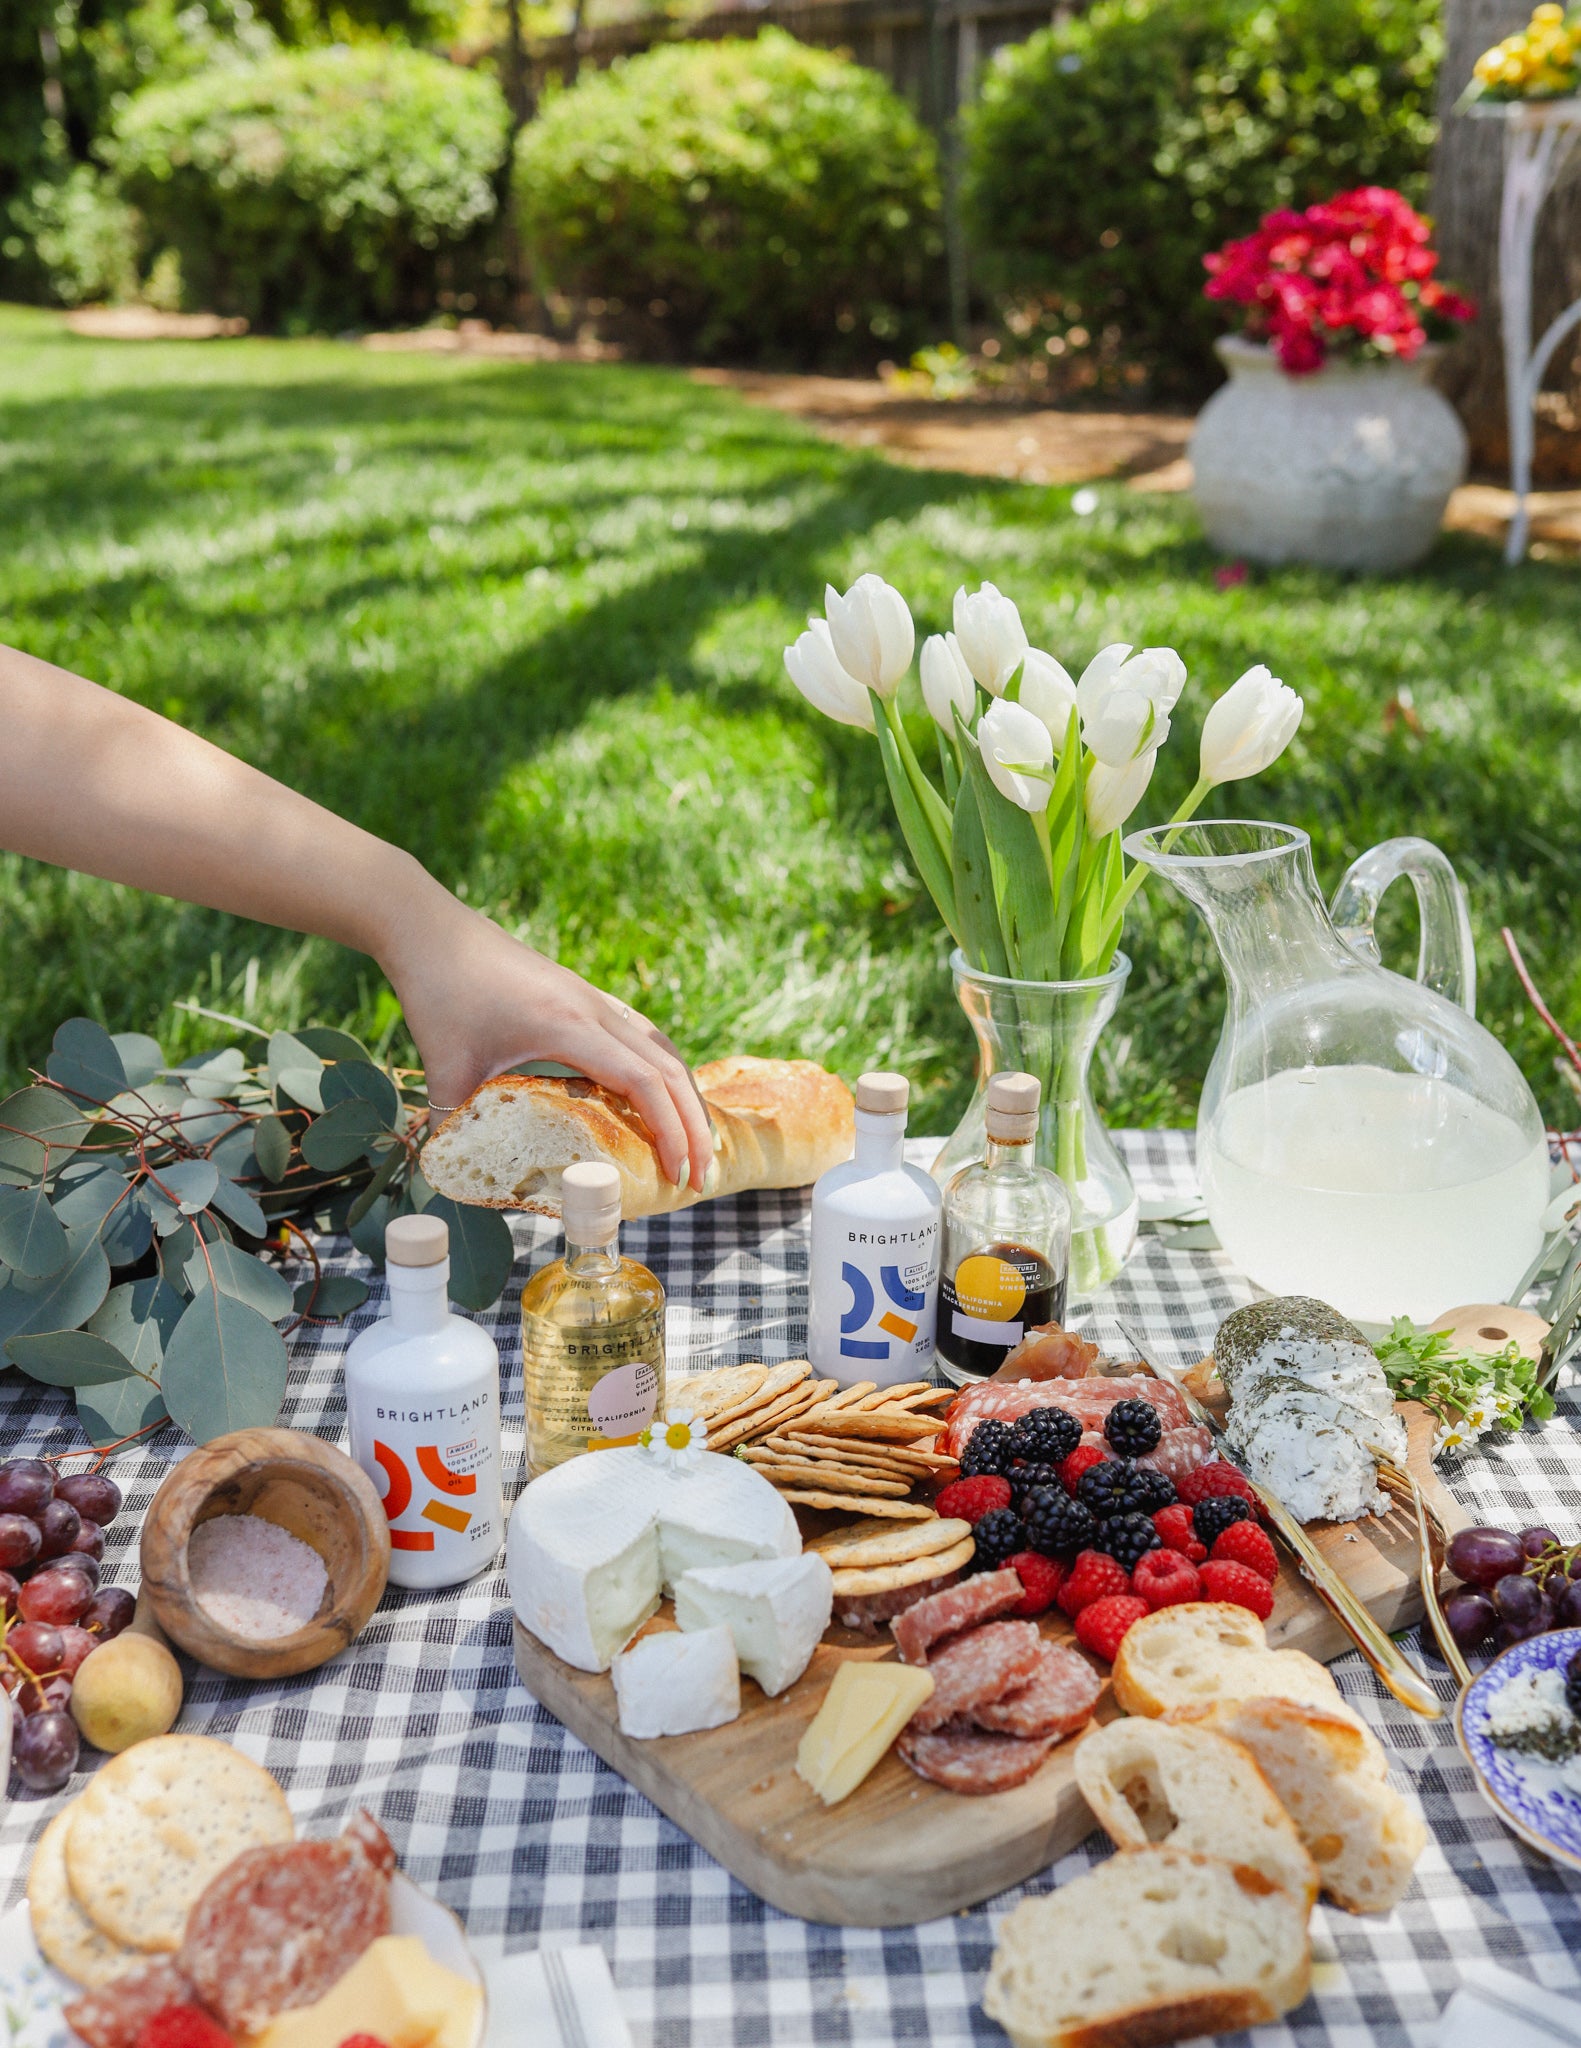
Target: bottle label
{"x":985,"y":1295}
{"x":441,"y":1466}
{"x":589,"y":1389}
{"x":889,"y":1278}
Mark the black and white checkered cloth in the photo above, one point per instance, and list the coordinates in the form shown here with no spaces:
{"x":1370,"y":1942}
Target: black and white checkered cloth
{"x":503,"y":1815}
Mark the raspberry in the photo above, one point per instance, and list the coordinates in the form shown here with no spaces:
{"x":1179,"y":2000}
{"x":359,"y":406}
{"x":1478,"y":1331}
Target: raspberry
{"x":987,"y":1449}
{"x":1092,"y":1577}
{"x":1101,"y":1625}
{"x":1163,"y":1578}
{"x":1210,"y":1518}
{"x":997,"y":1536}
{"x":1127,"y":1538}
{"x":1214,"y":1480}
{"x":1081,"y":1460}
{"x":968,"y":1500}
{"x":1042,"y":1578}
{"x":1056,"y":1524}
{"x":182,"y":2026}
{"x":1176,"y":1533}
{"x":1044,"y":1436}
{"x":1244,"y":1543}
{"x":1239,"y":1585}
{"x":1133,"y":1428}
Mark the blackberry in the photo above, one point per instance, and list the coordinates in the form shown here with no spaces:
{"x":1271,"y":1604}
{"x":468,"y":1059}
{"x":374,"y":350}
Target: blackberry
{"x":1160,"y":1488}
{"x":998,"y":1535}
{"x":1133,"y":1428}
{"x":987,"y":1450}
{"x":1025,"y":1478}
{"x":1210,"y":1518}
{"x":1045,"y":1436}
{"x":1116,"y":1487}
{"x":1572,"y":1682}
{"x":1127,"y":1539}
{"x":1056,"y":1524}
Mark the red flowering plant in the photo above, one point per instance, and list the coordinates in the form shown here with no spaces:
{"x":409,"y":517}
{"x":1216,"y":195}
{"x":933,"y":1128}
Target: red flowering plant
{"x":1355,"y":273}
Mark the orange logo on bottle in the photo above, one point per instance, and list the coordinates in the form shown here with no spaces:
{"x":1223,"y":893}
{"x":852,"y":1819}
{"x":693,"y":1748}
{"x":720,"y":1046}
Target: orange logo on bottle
{"x":398,"y":1494}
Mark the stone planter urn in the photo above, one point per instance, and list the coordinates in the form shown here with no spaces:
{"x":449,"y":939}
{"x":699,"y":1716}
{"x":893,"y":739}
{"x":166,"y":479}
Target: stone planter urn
{"x":1349,"y":467}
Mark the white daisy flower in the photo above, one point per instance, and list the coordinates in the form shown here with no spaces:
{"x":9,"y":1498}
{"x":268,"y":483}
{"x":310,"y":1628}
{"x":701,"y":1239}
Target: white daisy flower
{"x":678,"y":1441}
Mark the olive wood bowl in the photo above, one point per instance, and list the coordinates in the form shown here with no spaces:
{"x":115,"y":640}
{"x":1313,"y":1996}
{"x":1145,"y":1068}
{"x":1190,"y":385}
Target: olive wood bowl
{"x":305,"y":1486}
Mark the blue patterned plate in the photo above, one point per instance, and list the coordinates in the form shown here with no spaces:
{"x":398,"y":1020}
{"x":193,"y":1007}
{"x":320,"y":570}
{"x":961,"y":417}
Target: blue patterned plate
{"x":1528,"y":1795}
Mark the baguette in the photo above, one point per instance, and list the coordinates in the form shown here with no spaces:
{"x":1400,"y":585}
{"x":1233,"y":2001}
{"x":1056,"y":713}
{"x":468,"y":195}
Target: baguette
{"x":1149,"y":1948}
{"x":777,"y":1124}
{"x":1206,"y":1650}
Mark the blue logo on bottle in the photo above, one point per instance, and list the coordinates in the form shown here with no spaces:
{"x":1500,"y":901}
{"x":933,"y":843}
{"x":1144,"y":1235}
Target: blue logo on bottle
{"x":863,"y":1303}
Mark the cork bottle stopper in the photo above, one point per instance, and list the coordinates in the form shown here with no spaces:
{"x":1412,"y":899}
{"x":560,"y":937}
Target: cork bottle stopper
{"x":416,"y":1241}
{"x":590,"y":1202}
{"x":883,"y":1094}
{"x":1012,"y":1110}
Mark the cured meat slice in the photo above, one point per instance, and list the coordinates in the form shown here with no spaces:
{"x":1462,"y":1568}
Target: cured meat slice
{"x":946,"y":1613}
{"x":868,"y":1612}
{"x":1089,"y":1400}
{"x":115,"y":2014}
{"x":962,"y":1758}
{"x":1177,"y":1452}
{"x":280,"y":1925}
{"x":977,"y":1667}
{"x":1049,"y":1353}
{"x":363,"y":1832}
{"x":1055,"y":1701}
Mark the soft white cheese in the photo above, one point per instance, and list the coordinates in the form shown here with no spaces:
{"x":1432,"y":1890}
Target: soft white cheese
{"x":776,"y":1609}
{"x":1530,"y":1712}
{"x":674,"y":1684}
{"x":1304,"y":1451}
{"x":594,"y":1543}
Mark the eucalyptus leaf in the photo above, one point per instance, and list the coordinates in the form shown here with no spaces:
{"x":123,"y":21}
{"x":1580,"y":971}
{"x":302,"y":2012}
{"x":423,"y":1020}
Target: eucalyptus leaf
{"x":142,"y":1058}
{"x":176,"y":1250}
{"x":89,"y":1200}
{"x":481,"y":1251}
{"x":137,"y":1318}
{"x":240,"y":1275}
{"x":288,"y":1055}
{"x":69,"y":1358}
{"x":367,"y":1233}
{"x":85,"y":1062}
{"x":330,"y":1044}
{"x":64,"y":1299}
{"x":39,"y":1127}
{"x":121,"y":1409}
{"x":233,"y":1155}
{"x":190,"y":1183}
{"x":272,"y":1148}
{"x":360,"y":1080}
{"x":166,"y":1217}
{"x":391,"y":1165}
{"x":341,"y":1135}
{"x":241,"y":1207}
{"x":32,"y":1239}
{"x":224,"y":1369}
{"x":218,"y":1076}
{"x":203,"y":1123}
{"x":129,"y":1232}
{"x":335,"y":1296}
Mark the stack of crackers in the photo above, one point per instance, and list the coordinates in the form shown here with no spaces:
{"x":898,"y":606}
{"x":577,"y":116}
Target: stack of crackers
{"x":863,"y":1449}
{"x":875,"y":1557}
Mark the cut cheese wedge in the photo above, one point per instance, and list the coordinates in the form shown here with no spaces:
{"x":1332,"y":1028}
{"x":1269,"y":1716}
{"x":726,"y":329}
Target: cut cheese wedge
{"x":863,"y":1711}
{"x":394,"y":1991}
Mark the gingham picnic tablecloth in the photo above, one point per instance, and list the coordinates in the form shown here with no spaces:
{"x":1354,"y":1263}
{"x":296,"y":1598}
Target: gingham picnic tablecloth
{"x":502,"y":1814}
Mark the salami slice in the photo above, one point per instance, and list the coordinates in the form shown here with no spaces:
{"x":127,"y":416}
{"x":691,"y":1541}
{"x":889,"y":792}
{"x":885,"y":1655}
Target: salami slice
{"x":1055,"y":1701}
{"x":977,"y":1667}
{"x":115,"y":2014}
{"x":965,"y":1759}
{"x":946,"y":1613}
{"x":363,"y":1832}
{"x":869,"y":1611}
{"x":280,"y":1925}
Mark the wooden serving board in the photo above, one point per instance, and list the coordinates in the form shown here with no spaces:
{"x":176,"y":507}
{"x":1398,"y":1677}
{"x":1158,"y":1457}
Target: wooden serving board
{"x":901,"y":1850}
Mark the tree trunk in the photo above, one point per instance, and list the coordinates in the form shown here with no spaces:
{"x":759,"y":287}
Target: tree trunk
{"x":1467,"y":179}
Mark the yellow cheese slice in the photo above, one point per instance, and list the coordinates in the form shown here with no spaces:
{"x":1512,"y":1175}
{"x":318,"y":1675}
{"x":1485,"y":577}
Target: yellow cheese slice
{"x":863,"y":1711}
{"x":394,"y":1991}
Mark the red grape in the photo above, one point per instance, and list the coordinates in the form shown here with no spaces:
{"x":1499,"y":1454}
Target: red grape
{"x":36,"y":1646}
{"x":26,"y":1487}
{"x":1471,"y":1617}
{"x":1519,"y":1600}
{"x":1481,"y":1557}
{"x":44,"y":1750}
{"x":1534,"y":1542}
{"x":44,"y":1695}
{"x":58,"y":1527}
{"x":79,"y":1647}
{"x":96,"y":1497}
{"x":1511,"y":1632}
{"x":1567,"y":1608}
{"x":8,"y":1592}
{"x":80,"y":1562}
{"x":88,"y":1542}
{"x":56,"y":1596}
{"x":19,"y":1541}
{"x":111,"y":1610}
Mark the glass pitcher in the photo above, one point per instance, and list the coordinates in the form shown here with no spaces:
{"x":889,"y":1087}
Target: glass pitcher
{"x":1361,"y":1138}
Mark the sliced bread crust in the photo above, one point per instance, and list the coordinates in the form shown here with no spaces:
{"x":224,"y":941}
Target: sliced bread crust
{"x":1206,"y":1650}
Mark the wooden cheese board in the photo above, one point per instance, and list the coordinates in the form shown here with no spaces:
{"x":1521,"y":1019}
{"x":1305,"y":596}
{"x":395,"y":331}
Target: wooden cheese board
{"x":901,"y":1850}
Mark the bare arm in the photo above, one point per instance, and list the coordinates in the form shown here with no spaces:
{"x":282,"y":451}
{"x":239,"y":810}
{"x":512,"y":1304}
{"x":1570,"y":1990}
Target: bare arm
{"x":90,"y":781}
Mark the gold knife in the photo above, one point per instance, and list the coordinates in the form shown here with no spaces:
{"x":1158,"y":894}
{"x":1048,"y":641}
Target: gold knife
{"x":1396,"y":1670}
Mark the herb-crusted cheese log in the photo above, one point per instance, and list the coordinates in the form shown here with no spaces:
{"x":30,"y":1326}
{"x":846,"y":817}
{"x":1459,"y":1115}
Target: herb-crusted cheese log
{"x":777,"y":1124}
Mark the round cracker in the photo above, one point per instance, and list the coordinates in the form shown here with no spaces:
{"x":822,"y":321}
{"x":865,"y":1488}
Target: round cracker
{"x":863,"y":1547}
{"x":891,"y":1510}
{"x":777,"y":1381}
{"x":65,"y":1935}
{"x":709,"y":1393}
{"x":889,"y":1578}
{"x":158,"y":1823}
{"x":833,"y":1479}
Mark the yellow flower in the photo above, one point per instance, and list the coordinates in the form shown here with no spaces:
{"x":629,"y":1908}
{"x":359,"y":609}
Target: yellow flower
{"x":1548,"y":13}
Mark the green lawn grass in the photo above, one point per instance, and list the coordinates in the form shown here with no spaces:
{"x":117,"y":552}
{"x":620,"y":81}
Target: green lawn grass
{"x":528,"y":621}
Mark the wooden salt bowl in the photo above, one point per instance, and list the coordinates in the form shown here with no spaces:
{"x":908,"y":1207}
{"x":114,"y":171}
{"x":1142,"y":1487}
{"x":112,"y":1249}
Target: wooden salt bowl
{"x":308,"y":1488}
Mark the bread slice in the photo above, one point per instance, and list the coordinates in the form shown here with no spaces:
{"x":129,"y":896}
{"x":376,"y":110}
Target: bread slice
{"x":1332,"y":1780}
{"x":1148,"y":1948}
{"x":1205,"y":1650}
{"x":1181,"y":1787}
{"x":777,"y":1124}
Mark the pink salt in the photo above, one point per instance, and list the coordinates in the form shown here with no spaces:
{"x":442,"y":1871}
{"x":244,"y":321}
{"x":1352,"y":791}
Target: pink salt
{"x":254,"y":1578}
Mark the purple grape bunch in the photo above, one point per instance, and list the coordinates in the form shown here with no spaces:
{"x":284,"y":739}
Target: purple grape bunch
{"x":1512,"y":1585}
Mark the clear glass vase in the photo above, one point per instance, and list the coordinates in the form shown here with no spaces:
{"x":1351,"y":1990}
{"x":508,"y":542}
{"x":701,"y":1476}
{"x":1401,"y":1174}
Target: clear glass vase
{"x":1050,"y":1029}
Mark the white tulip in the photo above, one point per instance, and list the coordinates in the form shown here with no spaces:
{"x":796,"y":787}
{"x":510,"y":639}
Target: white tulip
{"x":1013,"y":741}
{"x":1125,"y":703}
{"x":1048,"y":692}
{"x":1249,"y":727}
{"x":992,"y":638}
{"x":947,"y":684}
{"x":1112,"y":794}
{"x":872,"y":632}
{"x":814,"y":667}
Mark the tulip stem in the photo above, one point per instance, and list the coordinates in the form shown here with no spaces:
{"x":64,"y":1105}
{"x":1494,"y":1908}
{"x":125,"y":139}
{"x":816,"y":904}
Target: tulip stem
{"x":1139,"y":874}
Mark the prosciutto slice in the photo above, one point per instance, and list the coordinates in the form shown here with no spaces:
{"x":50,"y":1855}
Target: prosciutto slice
{"x":1089,"y":1400}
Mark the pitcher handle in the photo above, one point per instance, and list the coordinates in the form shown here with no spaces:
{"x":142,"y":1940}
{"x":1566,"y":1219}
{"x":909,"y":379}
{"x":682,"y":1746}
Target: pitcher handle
{"x":1446,"y":960}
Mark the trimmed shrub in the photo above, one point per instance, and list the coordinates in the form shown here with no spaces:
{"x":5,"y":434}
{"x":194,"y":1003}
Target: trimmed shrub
{"x":1108,"y":154}
{"x":316,"y":188}
{"x":770,"y":196}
